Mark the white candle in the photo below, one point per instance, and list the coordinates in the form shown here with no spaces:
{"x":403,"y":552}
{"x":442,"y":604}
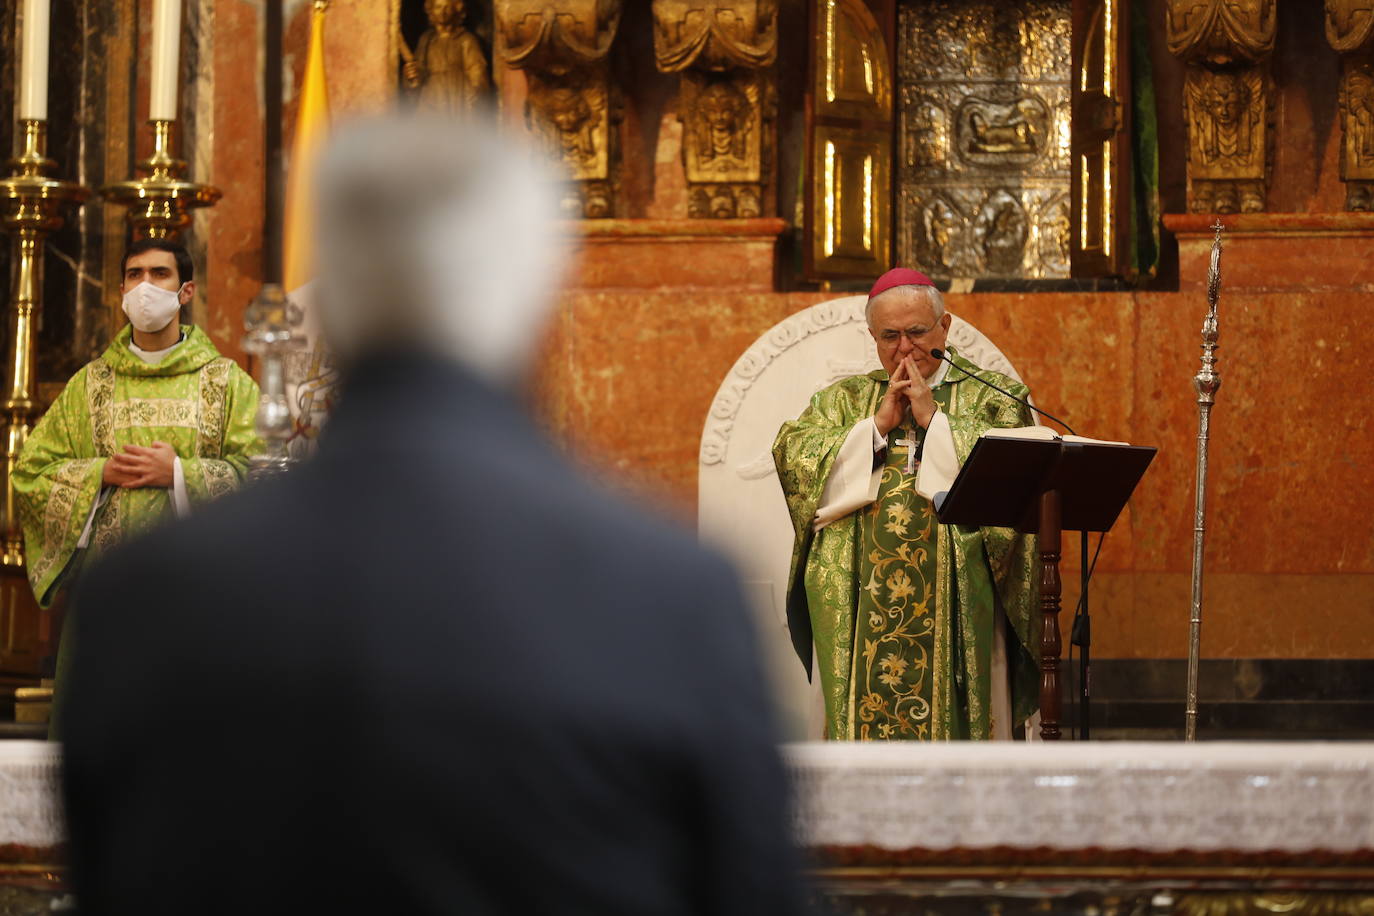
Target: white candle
{"x":166,"y":53}
{"x":33,"y":82}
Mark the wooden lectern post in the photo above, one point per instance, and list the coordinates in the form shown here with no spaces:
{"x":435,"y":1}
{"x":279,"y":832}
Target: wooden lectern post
{"x":1051,"y":646}
{"x":1040,"y":486}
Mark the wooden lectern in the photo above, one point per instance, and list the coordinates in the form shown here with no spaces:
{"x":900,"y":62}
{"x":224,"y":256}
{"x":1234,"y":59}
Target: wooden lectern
{"x":1044,"y":486}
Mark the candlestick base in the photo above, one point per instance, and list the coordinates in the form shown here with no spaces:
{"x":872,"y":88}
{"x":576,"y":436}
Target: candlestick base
{"x":159,"y":203}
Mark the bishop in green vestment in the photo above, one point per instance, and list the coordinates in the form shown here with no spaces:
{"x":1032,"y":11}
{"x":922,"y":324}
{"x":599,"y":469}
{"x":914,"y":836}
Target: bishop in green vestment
{"x":920,"y":630}
{"x":157,"y":423}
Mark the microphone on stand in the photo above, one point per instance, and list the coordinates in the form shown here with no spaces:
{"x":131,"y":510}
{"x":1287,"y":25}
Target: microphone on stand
{"x":940,"y":354}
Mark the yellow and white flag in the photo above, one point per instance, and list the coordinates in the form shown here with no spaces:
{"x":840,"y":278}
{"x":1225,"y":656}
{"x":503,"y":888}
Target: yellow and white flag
{"x":310,"y":383}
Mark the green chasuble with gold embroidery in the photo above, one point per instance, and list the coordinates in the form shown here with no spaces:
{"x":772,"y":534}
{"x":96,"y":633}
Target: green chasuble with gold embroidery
{"x":200,"y":403}
{"x":902,"y":609}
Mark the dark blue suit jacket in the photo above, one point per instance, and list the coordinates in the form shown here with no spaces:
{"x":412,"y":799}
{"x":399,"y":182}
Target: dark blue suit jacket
{"x":432,"y":671}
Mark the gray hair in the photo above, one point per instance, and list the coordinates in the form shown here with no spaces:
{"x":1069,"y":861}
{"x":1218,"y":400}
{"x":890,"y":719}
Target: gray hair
{"x":937,"y":301}
{"x":436,"y":233}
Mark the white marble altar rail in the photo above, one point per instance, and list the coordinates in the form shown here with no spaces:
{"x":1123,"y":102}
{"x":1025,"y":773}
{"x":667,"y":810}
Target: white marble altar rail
{"x":30,"y":806}
{"x":1155,"y":797}
{"x":1209,"y":796}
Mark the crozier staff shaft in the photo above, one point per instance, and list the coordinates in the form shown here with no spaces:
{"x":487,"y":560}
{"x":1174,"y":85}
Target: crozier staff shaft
{"x":1206,"y":382}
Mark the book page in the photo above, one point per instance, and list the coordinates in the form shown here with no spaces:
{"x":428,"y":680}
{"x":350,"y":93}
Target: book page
{"x":1044,"y":433}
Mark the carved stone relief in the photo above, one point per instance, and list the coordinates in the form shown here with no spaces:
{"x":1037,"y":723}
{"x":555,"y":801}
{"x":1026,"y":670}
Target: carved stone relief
{"x":983,"y":109}
{"x":1226,"y":99}
{"x":571,"y":105}
{"x":725,"y":51}
{"x":1350,"y":30}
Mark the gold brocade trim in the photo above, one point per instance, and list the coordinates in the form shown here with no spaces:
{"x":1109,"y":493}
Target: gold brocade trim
{"x":219,"y":477}
{"x":945,"y":575}
{"x":109,"y":522}
{"x":214,"y":382}
{"x":57,"y":515}
{"x":100,"y":384}
{"x":177,"y":412}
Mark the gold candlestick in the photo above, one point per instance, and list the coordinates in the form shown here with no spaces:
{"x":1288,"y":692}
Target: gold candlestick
{"x":158,"y":203}
{"x":34,"y":201}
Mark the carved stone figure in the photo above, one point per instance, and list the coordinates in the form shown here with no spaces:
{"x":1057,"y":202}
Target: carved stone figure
{"x":722,"y":124}
{"x":1002,"y":224}
{"x":1227,"y":44}
{"x":448,"y":70}
{"x":1052,"y":243}
{"x":571,"y":105}
{"x":1350,"y":30}
{"x":725,"y":51}
{"x":993,"y":134}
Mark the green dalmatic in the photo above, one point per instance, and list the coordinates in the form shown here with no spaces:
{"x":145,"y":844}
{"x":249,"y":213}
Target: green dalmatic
{"x":902,"y":608}
{"x":200,"y":403}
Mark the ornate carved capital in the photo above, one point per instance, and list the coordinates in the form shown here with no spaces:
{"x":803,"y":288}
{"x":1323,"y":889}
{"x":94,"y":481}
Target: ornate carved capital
{"x":725,"y":50}
{"x":571,"y":105}
{"x":1226,"y":99}
{"x":715,"y":34}
{"x":1350,"y":30}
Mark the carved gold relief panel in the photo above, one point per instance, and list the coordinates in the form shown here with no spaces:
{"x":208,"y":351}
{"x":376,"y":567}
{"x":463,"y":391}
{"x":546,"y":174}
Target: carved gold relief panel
{"x":983,"y":94}
{"x":725,"y":50}
{"x":1350,"y":30}
{"x":571,"y":106}
{"x":1226,"y":99}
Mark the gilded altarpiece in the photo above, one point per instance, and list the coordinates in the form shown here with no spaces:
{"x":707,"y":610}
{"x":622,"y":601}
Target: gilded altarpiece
{"x":1350,"y":30}
{"x":983,"y":101}
{"x":1227,"y":94}
{"x":725,"y":50}
{"x":1101,"y":186}
{"x":572,"y":106}
{"x":848,"y":201}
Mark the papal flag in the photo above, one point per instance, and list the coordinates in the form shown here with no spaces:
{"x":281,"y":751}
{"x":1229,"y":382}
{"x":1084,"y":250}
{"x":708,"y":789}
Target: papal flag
{"x":311,"y":375}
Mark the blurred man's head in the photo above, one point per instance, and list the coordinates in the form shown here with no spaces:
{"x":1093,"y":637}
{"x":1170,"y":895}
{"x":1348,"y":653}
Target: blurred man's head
{"x":438,"y":234}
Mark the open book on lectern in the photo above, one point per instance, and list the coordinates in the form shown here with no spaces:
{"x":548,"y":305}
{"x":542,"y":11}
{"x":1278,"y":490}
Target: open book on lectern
{"x":1000,"y":483}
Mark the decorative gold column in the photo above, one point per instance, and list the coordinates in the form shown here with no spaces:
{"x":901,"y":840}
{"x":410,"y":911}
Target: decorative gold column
{"x":1350,"y":30}
{"x":33,"y":203}
{"x":158,"y":203}
{"x":728,"y":107}
{"x":571,"y":105}
{"x":1226,"y":99}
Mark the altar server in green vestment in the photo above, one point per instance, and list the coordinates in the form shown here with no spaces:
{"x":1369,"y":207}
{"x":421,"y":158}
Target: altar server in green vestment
{"x":919,"y":630}
{"x":156,"y":424}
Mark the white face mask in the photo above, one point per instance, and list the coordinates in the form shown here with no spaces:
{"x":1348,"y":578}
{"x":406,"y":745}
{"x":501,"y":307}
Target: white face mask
{"x":151,"y":308}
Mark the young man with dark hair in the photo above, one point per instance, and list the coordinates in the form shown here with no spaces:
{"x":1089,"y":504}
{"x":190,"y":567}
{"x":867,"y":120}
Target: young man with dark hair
{"x":159,"y":422}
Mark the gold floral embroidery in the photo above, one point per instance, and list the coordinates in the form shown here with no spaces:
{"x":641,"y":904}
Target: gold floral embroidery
{"x":109,"y":522}
{"x":219,"y":477}
{"x":57,"y":515}
{"x":155,"y":412}
{"x":100,"y":384}
{"x":214,"y":382}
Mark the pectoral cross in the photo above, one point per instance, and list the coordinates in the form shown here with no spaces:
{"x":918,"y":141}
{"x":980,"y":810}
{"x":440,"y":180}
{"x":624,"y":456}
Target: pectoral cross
{"x":910,"y":453}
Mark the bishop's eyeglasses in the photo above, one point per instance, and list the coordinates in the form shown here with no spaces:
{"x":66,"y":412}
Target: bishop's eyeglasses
{"x":916,"y":335}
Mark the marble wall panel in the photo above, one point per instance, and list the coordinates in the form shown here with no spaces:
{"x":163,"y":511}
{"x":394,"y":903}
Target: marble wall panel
{"x":629,"y":377}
